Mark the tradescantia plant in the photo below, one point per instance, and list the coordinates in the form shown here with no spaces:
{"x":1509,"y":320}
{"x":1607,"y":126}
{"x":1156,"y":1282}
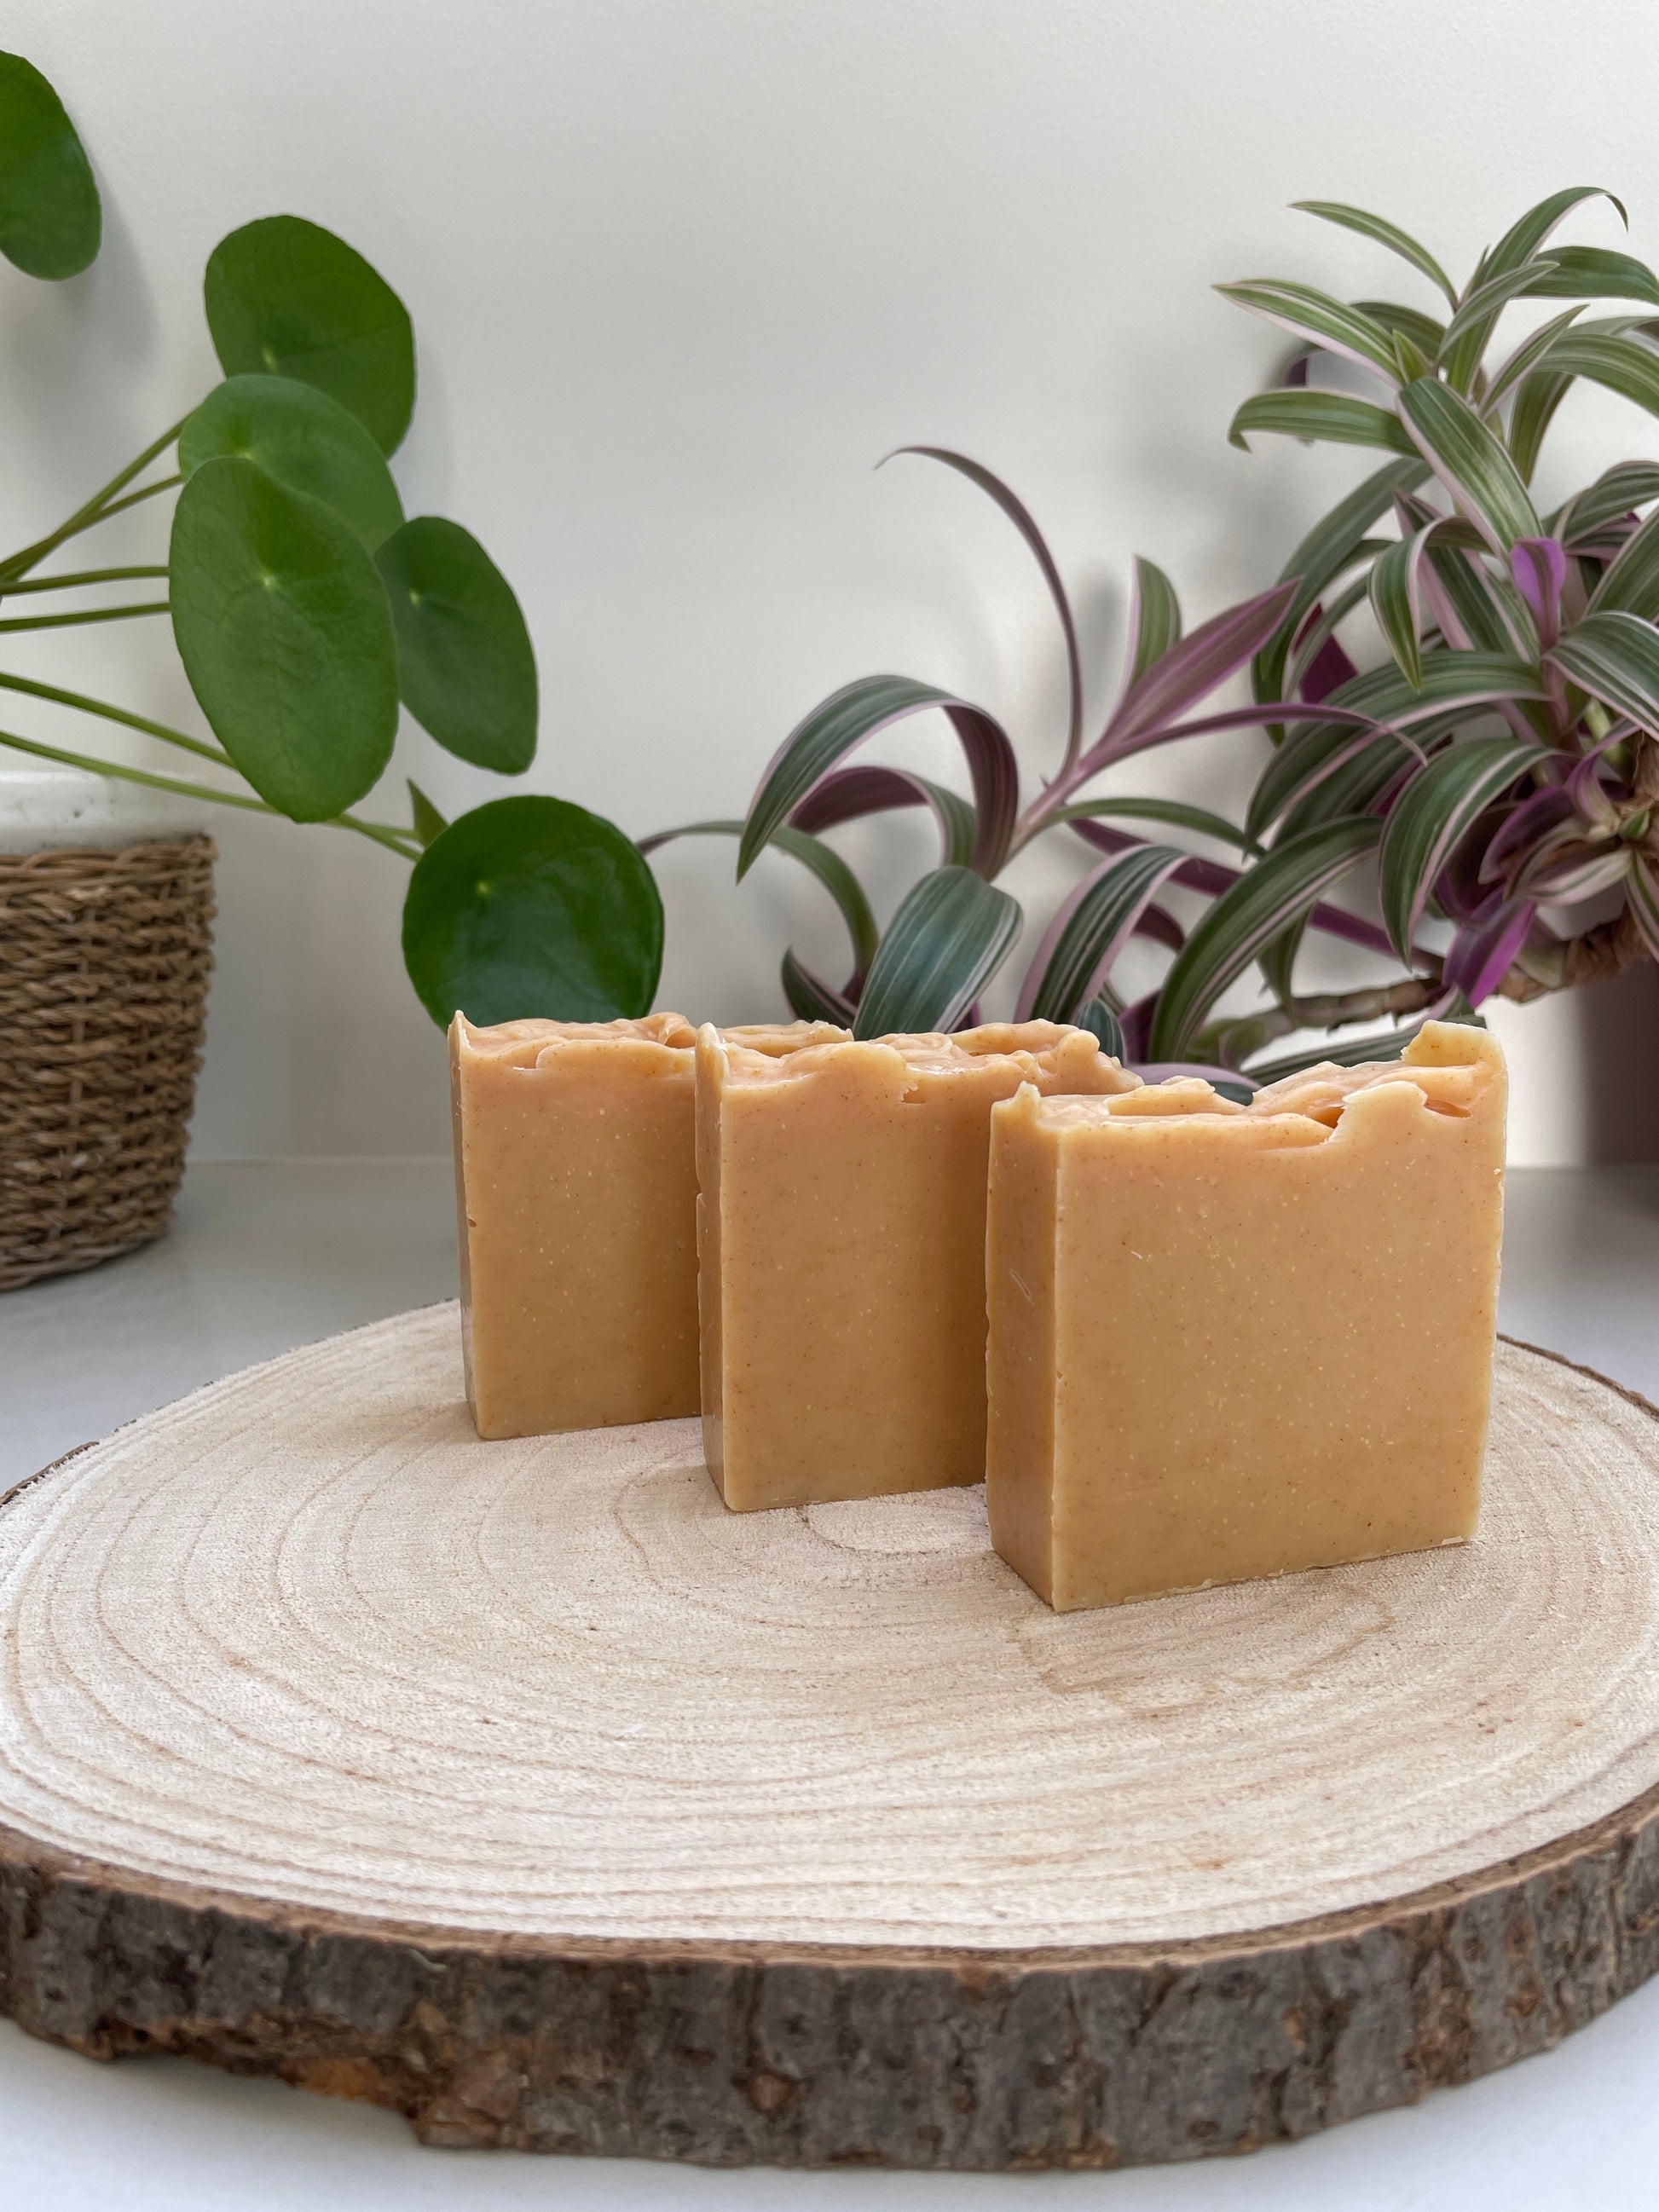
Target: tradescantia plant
{"x":956,"y":927}
{"x":306,"y":609}
{"x":1503,"y":761}
{"x":1512,"y":762}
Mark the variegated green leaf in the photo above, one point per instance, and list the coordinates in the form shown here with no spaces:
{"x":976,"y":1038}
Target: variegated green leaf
{"x":1471,"y":327}
{"x":1643,"y":899}
{"x":1245,"y":920}
{"x":1332,"y":616}
{"x":824,"y":861}
{"x":951,"y":932}
{"x":1331,"y":418}
{"x":1527,"y":355}
{"x":1358,"y":785}
{"x":1394,"y":596}
{"x":1616,"y":493}
{"x":1103,"y":1026}
{"x":1175,"y":812}
{"x":1430,"y":816}
{"x":1630,"y":584}
{"x":856,"y":712}
{"x":1522,"y":238}
{"x":1384,"y":233}
{"x":1400,"y":322}
{"x":1624,"y":365}
{"x":1091,"y":926}
{"x":1590,"y":273}
{"x":1469,"y":461}
{"x":810,"y":997}
{"x":1614,"y":657}
{"x":1457,"y":681}
{"x":1278,"y":964}
{"x":1478,"y":611}
{"x":1332,"y":323}
{"x":1329,"y":549}
{"x":1156,"y":625}
{"x":1537,"y":395}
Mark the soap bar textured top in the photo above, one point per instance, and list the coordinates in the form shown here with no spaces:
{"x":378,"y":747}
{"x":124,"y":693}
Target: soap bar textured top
{"x":575,"y":1183}
{"x":1229,"y":1341}
{"x":842,"y":1249}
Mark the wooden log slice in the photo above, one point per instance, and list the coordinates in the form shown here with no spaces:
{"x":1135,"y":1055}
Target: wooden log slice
{"x":522,"y":1788}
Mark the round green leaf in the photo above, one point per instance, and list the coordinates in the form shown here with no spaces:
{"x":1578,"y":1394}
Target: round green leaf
{"x":465,"y":666}
{"x":285,"y":297}
{"x":283,"y":629}
{"x":305,"y":440}
{"x":530,"y":907}
{"x":51,"y":222}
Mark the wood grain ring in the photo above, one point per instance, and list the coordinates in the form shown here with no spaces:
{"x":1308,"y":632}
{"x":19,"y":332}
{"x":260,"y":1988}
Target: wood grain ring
{"x":711,"y":2046}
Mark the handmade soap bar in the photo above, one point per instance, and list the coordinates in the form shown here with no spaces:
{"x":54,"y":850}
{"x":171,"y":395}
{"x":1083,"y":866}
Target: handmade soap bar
{"x":1229,"y":1341}
{"x":842,"y":1254}
{"x":575,"y":1183}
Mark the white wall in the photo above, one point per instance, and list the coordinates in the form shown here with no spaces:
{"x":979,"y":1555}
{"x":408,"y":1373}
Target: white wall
{"x":681,"y":270}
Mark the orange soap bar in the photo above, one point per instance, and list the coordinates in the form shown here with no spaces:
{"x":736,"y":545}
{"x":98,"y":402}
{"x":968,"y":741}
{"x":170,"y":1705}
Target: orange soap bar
{"x":842,"y":1252}
{"x":575,"y":1180}
{"x":1232,"y":1341}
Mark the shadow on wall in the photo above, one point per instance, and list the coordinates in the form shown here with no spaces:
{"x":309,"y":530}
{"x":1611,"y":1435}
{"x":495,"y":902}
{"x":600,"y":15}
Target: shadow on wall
{"x":1619,"y":1024}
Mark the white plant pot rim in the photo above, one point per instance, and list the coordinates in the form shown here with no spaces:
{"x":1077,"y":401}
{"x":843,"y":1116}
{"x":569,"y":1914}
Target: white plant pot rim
{"x":46,"y":809}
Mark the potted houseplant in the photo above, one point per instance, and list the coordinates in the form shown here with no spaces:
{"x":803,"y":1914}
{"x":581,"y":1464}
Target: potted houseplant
{"x":308,"y":611}
{"x":1499,"y":768}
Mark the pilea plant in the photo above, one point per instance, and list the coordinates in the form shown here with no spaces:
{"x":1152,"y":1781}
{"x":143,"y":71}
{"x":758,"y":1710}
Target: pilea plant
{"x":306,"y":609}
{"x":1501,"y":762}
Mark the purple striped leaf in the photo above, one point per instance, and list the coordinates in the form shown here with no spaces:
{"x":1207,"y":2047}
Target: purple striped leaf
{"x":858,"y":711}
{"x":1539,"y":813}
{"x":824,"y":861}
{"x":1481,"y":955}
{"x":1574,"y":873}
{"x":1585,"y":788}
{"x":1539,"y":566}
{"x":1025,"y":523}
{"x":1192,"y":670}
{"x":848,"y":794}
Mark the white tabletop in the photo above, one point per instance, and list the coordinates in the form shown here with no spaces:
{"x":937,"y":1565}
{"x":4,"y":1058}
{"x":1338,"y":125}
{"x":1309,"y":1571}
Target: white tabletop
{"x":266,"y":1256}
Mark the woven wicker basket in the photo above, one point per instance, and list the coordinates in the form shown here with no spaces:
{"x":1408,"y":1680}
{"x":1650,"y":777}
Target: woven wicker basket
{"x":104,"y":965}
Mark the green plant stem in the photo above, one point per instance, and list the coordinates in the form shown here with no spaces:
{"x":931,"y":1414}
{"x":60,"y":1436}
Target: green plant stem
{"x":378,"y":833}
{"x":124,"y":774}
{"x":132,"y":499}
{"x":85,"y":615}
{"x":77,"y":579}
{"x":33,"y":689}
{"x":95,"y":509}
